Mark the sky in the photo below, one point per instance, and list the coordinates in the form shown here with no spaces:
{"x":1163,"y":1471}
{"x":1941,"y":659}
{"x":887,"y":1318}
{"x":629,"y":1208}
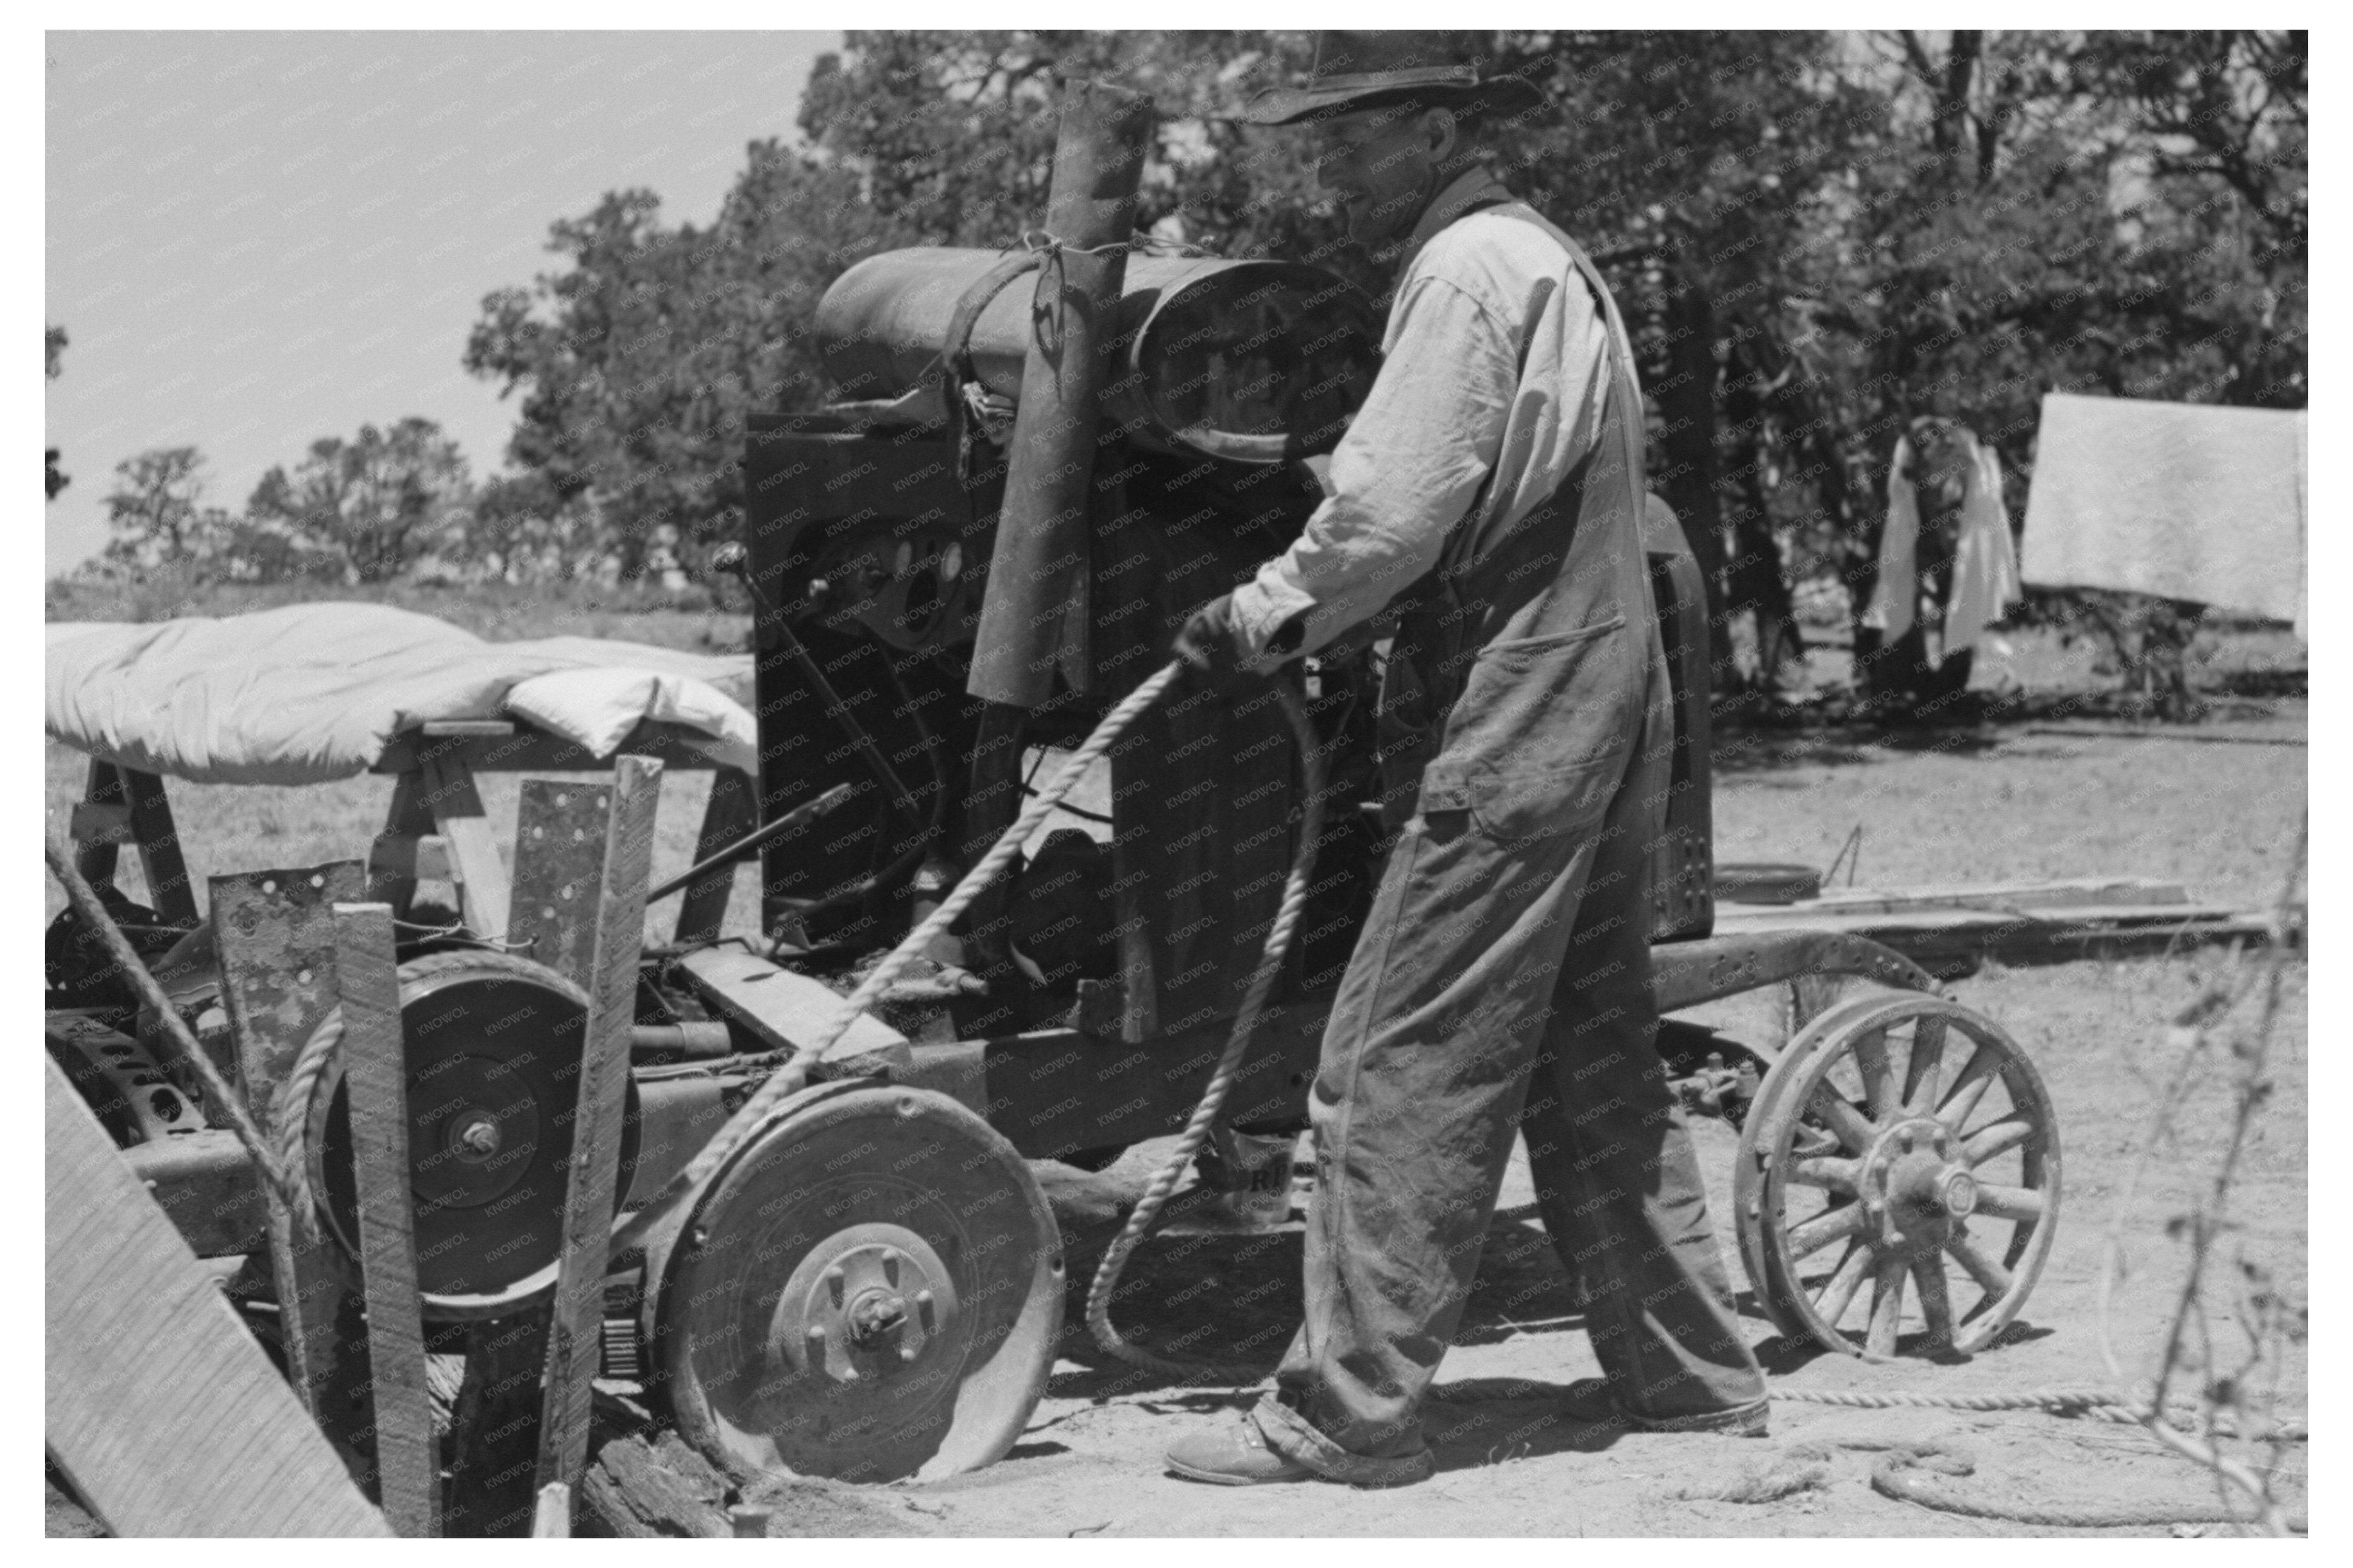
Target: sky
{"x":256,"y":239}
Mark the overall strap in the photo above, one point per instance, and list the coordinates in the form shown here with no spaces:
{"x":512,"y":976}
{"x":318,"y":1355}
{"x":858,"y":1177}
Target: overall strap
{"x":1625,"y":392}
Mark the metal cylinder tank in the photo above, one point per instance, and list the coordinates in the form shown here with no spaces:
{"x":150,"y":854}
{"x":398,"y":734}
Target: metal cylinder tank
{"x":1250,"y":360}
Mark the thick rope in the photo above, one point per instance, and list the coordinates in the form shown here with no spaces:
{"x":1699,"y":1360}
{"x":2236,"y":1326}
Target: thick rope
{"x":221,"y":1098}
{"x":1213,"y":1097}
{"x":2055,"y":1401}
{"x":1904,"y":1475}
{"x":790,"y":1077}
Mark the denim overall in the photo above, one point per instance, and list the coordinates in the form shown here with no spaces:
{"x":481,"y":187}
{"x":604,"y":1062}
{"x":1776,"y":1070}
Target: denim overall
{"x":1502,"y":985}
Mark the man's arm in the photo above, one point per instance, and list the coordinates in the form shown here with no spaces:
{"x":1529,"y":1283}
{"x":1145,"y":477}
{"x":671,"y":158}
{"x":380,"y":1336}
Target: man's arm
{"x":1401,"y":478}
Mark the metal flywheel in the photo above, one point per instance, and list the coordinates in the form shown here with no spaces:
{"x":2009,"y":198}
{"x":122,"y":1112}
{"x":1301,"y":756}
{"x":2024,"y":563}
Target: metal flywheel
{"x":493,"y":1045}
{"x":871,"y":1288}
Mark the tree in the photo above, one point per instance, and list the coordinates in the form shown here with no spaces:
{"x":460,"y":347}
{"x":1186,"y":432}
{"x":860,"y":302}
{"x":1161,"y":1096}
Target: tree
{"x":55,"y":338}
{"x":374,"y":503}
{"x":639,"y":360}
{"x":156,"y":509}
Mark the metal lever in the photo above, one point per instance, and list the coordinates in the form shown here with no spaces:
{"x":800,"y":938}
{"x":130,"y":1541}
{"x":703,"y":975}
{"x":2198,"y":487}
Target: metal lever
{"x":733,"y":557}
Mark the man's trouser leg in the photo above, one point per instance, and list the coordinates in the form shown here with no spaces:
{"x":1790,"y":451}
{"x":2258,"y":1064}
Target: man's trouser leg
{"x":1616,"y":1175}
{"x":1425,"y":1067}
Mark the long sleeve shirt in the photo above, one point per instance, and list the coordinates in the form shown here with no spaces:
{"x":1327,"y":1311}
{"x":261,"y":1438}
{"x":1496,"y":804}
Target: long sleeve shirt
{"x":1495,"y":371}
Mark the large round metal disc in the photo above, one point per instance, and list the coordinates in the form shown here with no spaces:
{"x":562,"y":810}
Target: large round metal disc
{"x":493,"y":1047}
{"x":871,"y":1289}
{"x":1897,"y":1185}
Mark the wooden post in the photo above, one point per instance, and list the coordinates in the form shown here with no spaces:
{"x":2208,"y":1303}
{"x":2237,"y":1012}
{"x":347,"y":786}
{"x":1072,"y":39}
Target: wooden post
{"x":575,"y":1333}
{"x":275,"y":936}
{"x":728,"y":818}
{"x":375,"y":1072}
{"x":1035,"y":616}
{"x":459,"y":817}
{"x":160,"y":1408}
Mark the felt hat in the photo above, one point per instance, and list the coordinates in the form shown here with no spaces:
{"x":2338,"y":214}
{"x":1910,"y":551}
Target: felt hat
{"x":1362,"y":70}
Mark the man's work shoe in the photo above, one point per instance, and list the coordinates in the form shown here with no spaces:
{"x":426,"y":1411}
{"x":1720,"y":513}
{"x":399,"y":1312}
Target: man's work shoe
{"x":1238,"y":1455}
{"x":1235,"y":1455}
{"x":1591,"y":1401}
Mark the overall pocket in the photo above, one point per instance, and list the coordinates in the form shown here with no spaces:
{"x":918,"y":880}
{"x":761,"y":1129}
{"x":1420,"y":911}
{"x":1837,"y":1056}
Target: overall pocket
{"x":1543,"y":732}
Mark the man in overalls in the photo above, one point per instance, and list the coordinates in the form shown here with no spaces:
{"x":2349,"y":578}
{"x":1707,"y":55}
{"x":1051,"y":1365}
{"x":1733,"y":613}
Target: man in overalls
{"x":1489,"y":494}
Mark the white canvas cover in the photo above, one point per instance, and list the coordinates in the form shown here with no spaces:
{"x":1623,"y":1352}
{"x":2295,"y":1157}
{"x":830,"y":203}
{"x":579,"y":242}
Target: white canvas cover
{"x":312,"y":692}
{"x":2186,"y":500}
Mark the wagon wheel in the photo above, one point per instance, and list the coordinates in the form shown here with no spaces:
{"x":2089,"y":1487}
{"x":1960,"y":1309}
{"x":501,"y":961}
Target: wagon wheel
{"x":1907,"y":1143}
{"x":869,"y":1289}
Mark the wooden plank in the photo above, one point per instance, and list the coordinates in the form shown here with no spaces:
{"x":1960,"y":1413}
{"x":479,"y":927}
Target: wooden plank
{"x":2078,"y":893}
{"x":275,"y":936}
{"x":458,"y":816}
{"x":729,"y":816}
{"x":411,"y":857}
{"x":494,"y":1429}
{"x":375,"y":1072}
{"x":96,"y":825}
{"x":785,"y":1010}
{"x":160,"y":1408}
{"x":168,"y":892}
{"x":97,"y":862}
{"x":561,"y":829}
{"x":391,"y":872}
{"x":576,"y":1328}
{"x":533,"y":750}
{"x":1812,"y":917}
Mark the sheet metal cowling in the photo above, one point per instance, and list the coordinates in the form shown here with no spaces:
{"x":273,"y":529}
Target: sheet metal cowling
{"x":1253,"y":360}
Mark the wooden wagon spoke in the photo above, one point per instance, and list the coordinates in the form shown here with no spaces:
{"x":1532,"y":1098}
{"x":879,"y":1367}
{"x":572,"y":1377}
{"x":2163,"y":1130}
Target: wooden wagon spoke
{"x":1996,"y":1138}
{"x":1886,"y":1304}
{"x":1936,"y":1301}
{"x":1922,"y":1073}
{"x":1992,"y":1276}
{"x":1833,"y":1225}
{"x":1853,"y":1129}
{"x":1839,"y":1293}
{"x":1878,"y":1074}
{"x":1827,"y":1171}
{"x":2023,"y":1204}
{"x":1969,"y":1089}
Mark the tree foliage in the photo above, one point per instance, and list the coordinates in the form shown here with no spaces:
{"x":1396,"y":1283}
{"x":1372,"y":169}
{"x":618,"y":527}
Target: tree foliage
{"x":156,"y":512}
{"x":1817,"y":237}
{"x":373,"y":504}
{"x":53,"y":362}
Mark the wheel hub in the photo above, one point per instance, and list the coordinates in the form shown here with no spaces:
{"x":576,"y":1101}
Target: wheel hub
{"x":866,"y":1304}
{"x":1914,"y":1182}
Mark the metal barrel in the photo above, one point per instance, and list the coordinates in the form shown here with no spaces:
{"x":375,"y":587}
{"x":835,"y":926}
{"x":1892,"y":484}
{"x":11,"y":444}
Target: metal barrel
{"x":1249,"y":360}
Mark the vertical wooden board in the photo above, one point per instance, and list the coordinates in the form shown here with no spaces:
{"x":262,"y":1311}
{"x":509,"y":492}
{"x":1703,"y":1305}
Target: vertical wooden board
{"x":458,"y":815}
{"x":702,"y":911}
{"x":96,"y":862}
{"x":409,"y":817}
{"x":494,"y":1430}
{"x":375,"y":1072}
{"x":275,"y":938}
{"x":168,"y":892}
{"x":560,"y":847}
{"x":575,"y":1331}
{"x":160,"y":1408}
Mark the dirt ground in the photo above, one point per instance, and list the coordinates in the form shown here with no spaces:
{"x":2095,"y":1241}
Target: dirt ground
{"x":2218,"y":814}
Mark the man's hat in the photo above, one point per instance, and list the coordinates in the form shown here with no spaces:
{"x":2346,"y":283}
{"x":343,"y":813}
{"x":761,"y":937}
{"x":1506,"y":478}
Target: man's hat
{"x":1358,"y":70}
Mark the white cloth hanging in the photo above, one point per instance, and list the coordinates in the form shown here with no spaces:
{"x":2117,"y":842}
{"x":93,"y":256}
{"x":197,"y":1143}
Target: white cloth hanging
{"x":1897,"y":588}
{"x":1985,"y":558}
{"x":1985,"y":582}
